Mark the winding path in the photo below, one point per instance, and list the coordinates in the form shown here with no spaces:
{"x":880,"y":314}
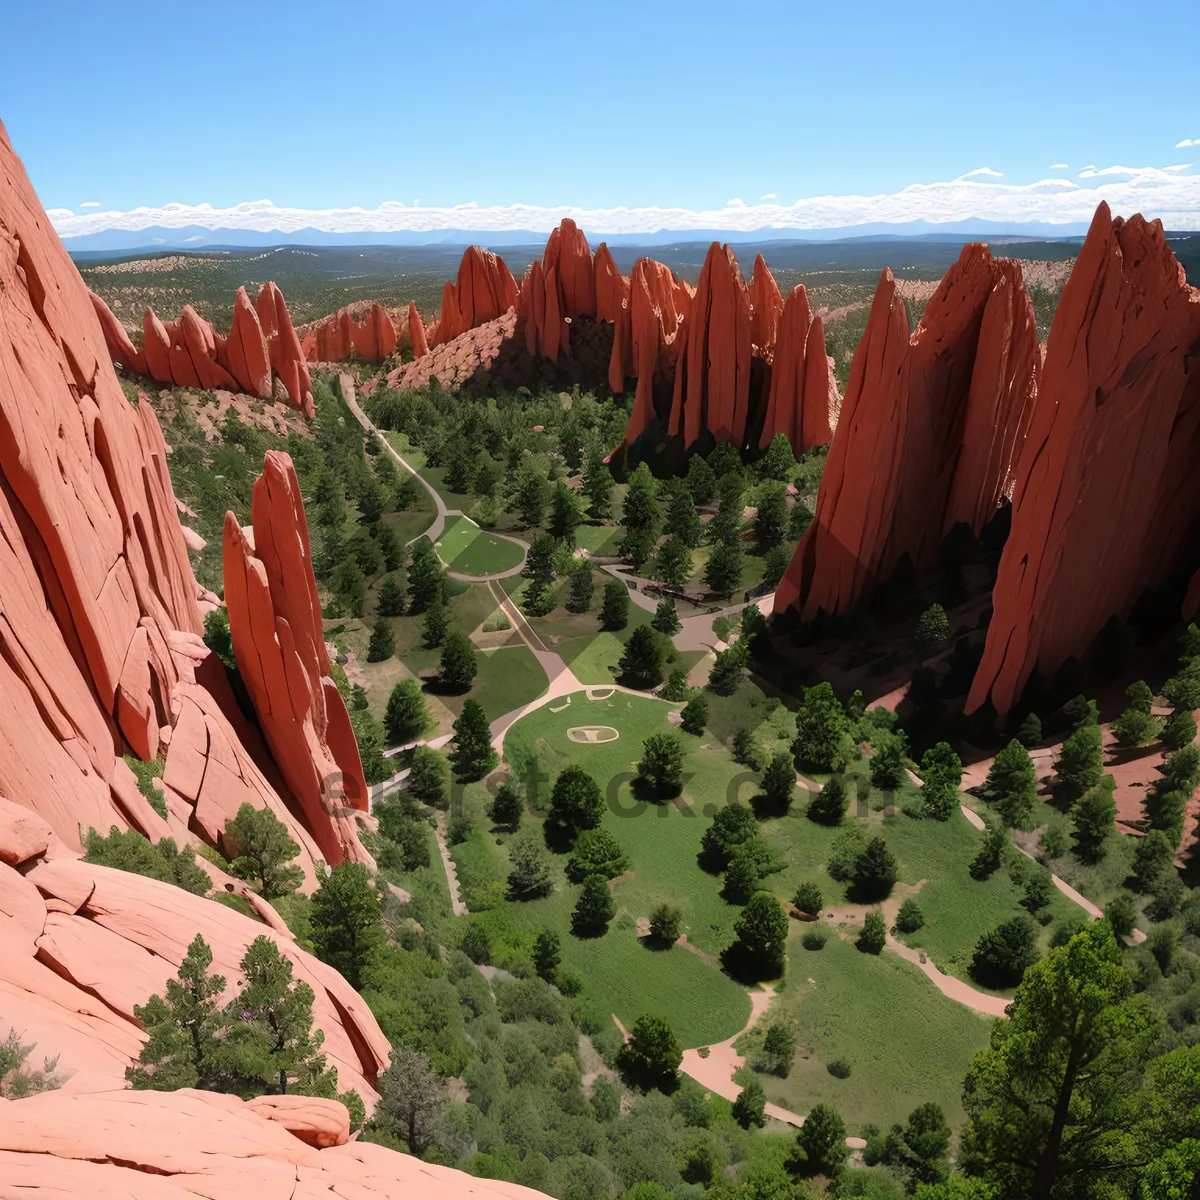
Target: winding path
{"x":441,"y":512}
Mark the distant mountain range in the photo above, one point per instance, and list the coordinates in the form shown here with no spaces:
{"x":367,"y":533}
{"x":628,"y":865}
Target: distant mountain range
{"x":197,"y":237}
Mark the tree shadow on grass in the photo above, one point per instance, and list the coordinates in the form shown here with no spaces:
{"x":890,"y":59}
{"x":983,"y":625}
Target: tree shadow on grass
{"x":746,"y":968}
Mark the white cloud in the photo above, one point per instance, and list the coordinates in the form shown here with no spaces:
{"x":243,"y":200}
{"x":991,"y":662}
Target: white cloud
{"x":983,"y":171}
{"x":1163,"y":192}
{"x":1058,"y":166}
{"x":1187,"y":142}
{"x":769,"y":196}
{"x":90,"y":204}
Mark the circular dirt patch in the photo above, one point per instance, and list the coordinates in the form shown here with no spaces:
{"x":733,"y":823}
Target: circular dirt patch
{"x":593,"y":733}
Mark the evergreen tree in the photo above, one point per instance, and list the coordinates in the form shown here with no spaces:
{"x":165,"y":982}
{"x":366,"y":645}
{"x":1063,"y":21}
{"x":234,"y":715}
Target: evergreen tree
{"x":567,"y":512}
{"x":437,"y":621}
{"x":665,"y":925}
{"x":875,"y":871}
{"x":406,"y":718}
{"x":508,"y":806}
{"x":594,"y":908}
{"x":683,"y":522}
{"x":411,"y":1098}
{"x":775,"y":565}
{"x":676,"y":687}
{"x":887,"y":763}
{"x":262,"y":850}
{"x":1081,"y":711}
{"x":128,"y":850}
{"x":427,"y":776}
{"x":1136,"y":725}
{"x":383,"y":642}
{"x":349,"y":585}
{"x":665,"y":619}
{"x":808,"y":899}
{"x":987,"y":862}
{"x":771,"y":519}
{"x":732,"y":825}
{"x":1153,"y":860}
{"x":426,"y":578}
{"x":1030,"y":732}
{"x":779,"y":781}
{"x":941,"y":770}
{"x":778,"y":463}
{"x":181,"y":1048}
{"x":909,"y":917}
{"x":661,"y":765}
{"x":918,"y":1149}
{"x":390,"y":548}
{"x":800,"y":520}
{"x":1094,"y":818}
{"x":829,"y":805}
{"x":637,"y":547}
{"x":673,"y":563}
{"x":822,"y":740}
{"x":614,"y":614}
{"x":1011,"y":785}
{"x":933,"y":628}
{"x":749,"y":1109}
{"x":459,"y":665}
{"x":547,"y":955}
{"x":472,"y":756}
{"x":694,"y":715}
{"x":529,"y":878}
{"x":581,"y":587}
{"x":640,"y":510}
{"x":873,"y":936}
{"x":270,"y":1045}
{"x":701,"y":481}
{"x":596,"y":852}
{"x":761,"y":937}
{"x":726,"y":460}
{"x":598,"y":486}
{"x":1080,"y":765}
{"x":747,"y":749}
{"x":346,"y":932}
{"x":651,"y":1057}
{"x":726,"y":525}
{"x":726,"y":672}
{"x":1179,"y":731}
{"x":642,"y":662}
{"x":390,"y":600}
{"x":576,"y":802}
{"x":821,"y":1143}
{"x":529,"y":499}
{"x":366,"y":552}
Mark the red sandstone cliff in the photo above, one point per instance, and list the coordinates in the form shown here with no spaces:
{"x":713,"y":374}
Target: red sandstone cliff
{"x":275,"y":622}
{"x":899,"y":467}
{"x":335,"y":337}
{"x":1107,"y":488}
{"x":483,"y":291}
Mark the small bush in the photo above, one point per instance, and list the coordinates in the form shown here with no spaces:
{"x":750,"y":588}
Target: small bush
{"x":815,"y":939}
{"x":839,"y":1068}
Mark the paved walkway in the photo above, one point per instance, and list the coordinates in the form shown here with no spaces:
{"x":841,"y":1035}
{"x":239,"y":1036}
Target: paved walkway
{"x":441,"y":512}
{"x":439,"y":831}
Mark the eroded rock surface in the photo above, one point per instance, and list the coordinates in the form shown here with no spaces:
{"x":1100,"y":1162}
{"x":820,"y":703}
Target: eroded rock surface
{"x":483,"y":291}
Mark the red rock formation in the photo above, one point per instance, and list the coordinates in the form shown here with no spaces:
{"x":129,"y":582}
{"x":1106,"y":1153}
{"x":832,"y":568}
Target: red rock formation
{"x":1107,"y":490}
{"x":117,"y":339}
{"x":336,"y":337}
{"x":246,"y":349}
{"x":897,"y":468}
{"x":484,"y":290}
{"x":659,"y":304}
{"x":803,"y":401}
{"x":766,"y":305}
{"x":568,"y":254}
{"x":416,"y":331}
{"x":712,"y":381}
{"x":177,"y":1145}
{"x":453,"y":363}
{"x":275,"y":622}
{"x":283,"y":346}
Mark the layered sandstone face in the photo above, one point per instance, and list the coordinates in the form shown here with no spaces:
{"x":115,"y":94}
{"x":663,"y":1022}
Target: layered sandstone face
{"x":483,"y":291}
{"x":906,"y":461}
{"x":189,"y":353}
{"x":1107,"y":490}
{"x":275,"y":623}
{"x":335,"y":337}
{"x":177,"y":1145}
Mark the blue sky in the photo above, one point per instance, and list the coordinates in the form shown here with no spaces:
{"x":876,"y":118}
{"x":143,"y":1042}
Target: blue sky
{"x":589,"y":104}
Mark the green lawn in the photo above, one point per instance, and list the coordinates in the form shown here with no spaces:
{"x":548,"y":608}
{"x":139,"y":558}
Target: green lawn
{"x":466,"y":548}
{"x":905,"y":1042}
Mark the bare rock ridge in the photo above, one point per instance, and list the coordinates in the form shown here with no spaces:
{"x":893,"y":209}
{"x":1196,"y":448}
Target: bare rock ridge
{"x":483,"y":291}
{"x":275,"y":623}
{"x":334,"y":338}
{"x":1107,"y":492}
{"x":927,"y":434}
{"x":261,"y":345}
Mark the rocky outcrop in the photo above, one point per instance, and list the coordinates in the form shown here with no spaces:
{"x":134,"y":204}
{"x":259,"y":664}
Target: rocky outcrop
{"x":275,"y":623}
{"x":483,"y":291}
{"x":712,"y":380}
{"x":454,"y":363}
{"x":899,"y":468}
{"x":1107,"y":493}
{"x":336,"y":337}
{"x":416,"y":332}
{"x":177,"y":1145}
{"x":802,"y":401}
{"x":766,"y":306}
{"x":262,"y":343}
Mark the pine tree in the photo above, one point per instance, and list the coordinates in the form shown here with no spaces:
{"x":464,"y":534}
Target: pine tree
{"x":726,"y":672}
{"x":676,"y":688}
{"x":1080,"y":765}
{"x":666,"y":619}
{"x":1136,"y":725}
{"x":566,"y":512}
{"x":873,"y":936}
{"x":682,"y":520}
{"x":637,"y":547}
{"x":829,"y":805}
{"x":778,"y":462}
{"x":594,"y":908}
{"x":775,"y":565}
{"x":508,"y":806}
{"x":875,"y":871}
{"x":426,"y":578}
{"x":547,"y":955}
{"x":724,"y":570}
{"x":1093,"y":819}
{"x":427,"y":776}
{"x":346,"y":932}
{"x":771,"y":520}
{"x":941,"y":771}
{"x":726,"y":525}
{"x":472,"y":756}
{"x":1012,"y":785}
{"x":181,"y":1047}
{"x":383,"y":642}
{"x":576,"y":802}
{"x":822,"y":740}
{"x":458,"y":663}
{"x":694,"y":715}
{"x":749,"y":1109}
{"x":614,"y":614}
{"x":821,"y":1143}
{"x":933,"y":628}
{"x":701,"y":481}
{"x":639,"y":510}
{"x":406,"y":718}
{"x":349,"y":585}
{"x":642,"y":661}
{"x":761,"y":937}
{"x":661,"y":764}
{"x":779,"y":780}
{"x":530,"y":876}
{"x":581,"y":588}
{"x":598,"y":486}
{"x":673,"y":564}
{"x":271,"y":1045}
{"x":1179,"y":731}
{"x":262,"y":850}
{"x":389,"y":547}
{"x":390,"y":600}
{"x":530,"y":496}
{"x":437,"y":621}
{"x":1030,"y":732}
